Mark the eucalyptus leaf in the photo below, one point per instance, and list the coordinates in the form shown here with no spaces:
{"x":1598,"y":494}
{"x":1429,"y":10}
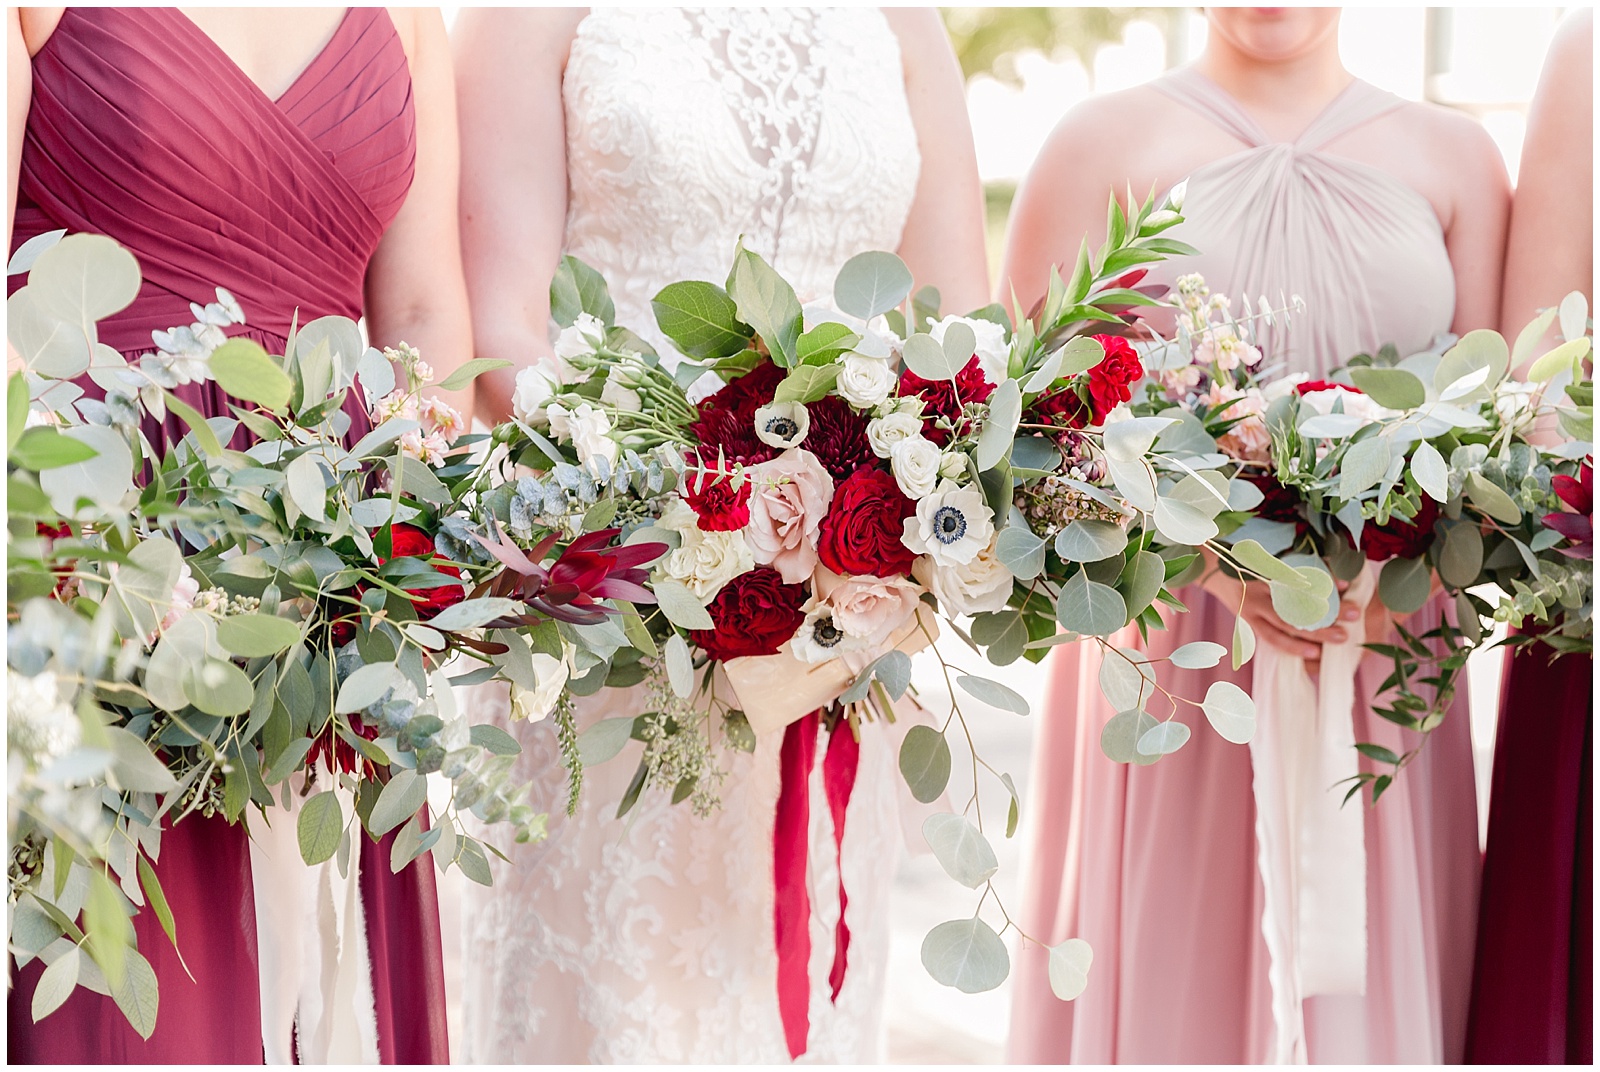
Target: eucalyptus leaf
{"x":318,"y":829}
{"x":925,"y":763}
{"x":1562,"y":358}
{"x":1404,"y":584}
{"x":1231,"y":711}
{"x":1430,"y":471}
{"x":1126,"y":679}
{"x":1069,"y":968}
{"x":250,"y":636}
{"x":1090,"y":608}
{"x":1020,"y":551}
{"x":928,"y":359}
{"x":103,"y":479}
{"x":1131,"y":440}
{"x":1120,"y":736}
{"x":1090,"y":540}
{"x":680,"y":668}
{"x":307,"y":487}
{"x":366,"y":686}
{"x":1489,"y":498}
{"x":1461,"y":558}
{"x":1573,"y":312}
{"x":1392,"y":388}
{"x":966,"y":954}
{"x":463,"y":375}
{"x":475,"y":613}
{"x":604,"y":740}
{"x":1198,"y":655}
{"x":992,"y":693}
{"x":1163,"y":739}
{"x":83,"y":278}
{"x":767,"y":303}
{"x":56,"y":983}
{"x":961,"y":849}
{"x":406,"y":792}
{"x":1363,"y":465}
{"x":680,"y":605}
{"x":137,"y":994}
{"x":871,"y":283}
{"x":1244,"y":643}
{"x":1000,"y":426}
{"x":1141,"y":581}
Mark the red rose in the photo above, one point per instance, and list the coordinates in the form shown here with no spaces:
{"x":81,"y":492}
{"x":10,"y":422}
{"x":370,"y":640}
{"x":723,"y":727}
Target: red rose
{"x":838,"y":437}
{"x":1401,"y":538}
{"x":1311,"y":387}
{"x":1279,"y":503}
{"x":946,"y":398}
{"x":727,"y":419}
{"x":719,"y":506}
{"x":753,"y":614}
{"x":861,"y":532}
{"x":1064,"y":407}
{"x":408,"y":541}
{"x":1111,"y":381}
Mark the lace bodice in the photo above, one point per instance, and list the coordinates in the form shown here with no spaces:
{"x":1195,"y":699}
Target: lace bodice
{"x":689,"y":128}
{"x":651,"y":938}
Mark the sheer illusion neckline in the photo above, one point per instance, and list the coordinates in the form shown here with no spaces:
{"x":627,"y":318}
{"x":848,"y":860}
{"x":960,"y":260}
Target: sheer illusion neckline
{"x":233,"y":66}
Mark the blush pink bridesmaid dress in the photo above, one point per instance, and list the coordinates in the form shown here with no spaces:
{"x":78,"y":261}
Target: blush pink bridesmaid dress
{"x":1156,"y":867}
{"x":142,"y":128}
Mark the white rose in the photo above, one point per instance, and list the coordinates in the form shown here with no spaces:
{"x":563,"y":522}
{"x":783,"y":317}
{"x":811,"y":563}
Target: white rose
{"x":579,"y":339}
{"x":884,"y":432}
{"x":952,"y":465}
{"x":993,"y":353}
{"x":618,"y":395}
{"x":984,"y":584}
{"x":534,"y":389}
{"x":550,"y":677}
{"x":864,"y":382}
{"x":915,"y":463}
{"x":952,"y":525}
{"x":590,"y":429}
{"x":704,"y":561}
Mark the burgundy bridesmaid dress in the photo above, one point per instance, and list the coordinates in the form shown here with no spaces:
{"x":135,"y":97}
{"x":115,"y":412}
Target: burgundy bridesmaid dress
{"x":1533,"y":983}
{"x":143,"y":129}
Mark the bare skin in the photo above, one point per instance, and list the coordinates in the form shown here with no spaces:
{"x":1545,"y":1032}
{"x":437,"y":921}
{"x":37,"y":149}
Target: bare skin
{"x":1282,"y":65}
{"x":1551,"y":249}
{"x":509,"y":65}
{"x":414,"y":287}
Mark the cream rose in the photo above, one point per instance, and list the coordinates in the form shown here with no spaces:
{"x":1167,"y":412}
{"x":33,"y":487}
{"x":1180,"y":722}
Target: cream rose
{"x":984,"y":584}
{"x":550,"y":677}
{"x":864,"y":382}
{"x":884,"y":432}
{"x":788,"y":500}
{"x":915,"y":462}
{"x":703,"y":561}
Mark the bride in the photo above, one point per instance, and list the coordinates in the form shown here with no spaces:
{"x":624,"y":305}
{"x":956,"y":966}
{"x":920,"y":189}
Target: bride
{"x":645,"y":143}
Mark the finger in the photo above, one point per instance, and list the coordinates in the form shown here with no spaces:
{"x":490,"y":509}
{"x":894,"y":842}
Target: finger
{"x":1284,"y":641}
{"x":1348,"y":611}
{"x":1333,"y":634}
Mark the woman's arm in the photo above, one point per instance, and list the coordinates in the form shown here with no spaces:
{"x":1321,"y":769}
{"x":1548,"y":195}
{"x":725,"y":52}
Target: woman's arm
{"x":942,"y":242}
{"x":1551,"y":249}
{"x":19,"y":95}
{"x":509,"y":64}
{"x":1475,"y":234}
{"x":414,"y":287}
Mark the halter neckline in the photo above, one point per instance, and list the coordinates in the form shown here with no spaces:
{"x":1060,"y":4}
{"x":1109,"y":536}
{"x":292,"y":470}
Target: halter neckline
{"x":1357,"y":103}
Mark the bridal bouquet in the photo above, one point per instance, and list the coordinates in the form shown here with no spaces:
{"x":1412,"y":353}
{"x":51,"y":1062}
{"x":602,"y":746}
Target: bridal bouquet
{"x":1426,"y":468}
{"x":259,"y":616}
{"x":813,"y":482}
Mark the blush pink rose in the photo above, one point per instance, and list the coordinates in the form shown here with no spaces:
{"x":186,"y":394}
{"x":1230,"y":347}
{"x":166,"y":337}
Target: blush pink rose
{"x":870,"y":608}
{"x":789,"y":498}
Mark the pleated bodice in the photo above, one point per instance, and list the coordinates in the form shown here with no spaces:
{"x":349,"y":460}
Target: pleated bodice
{"x":143,"y":129}
{"x":1365,"y":251}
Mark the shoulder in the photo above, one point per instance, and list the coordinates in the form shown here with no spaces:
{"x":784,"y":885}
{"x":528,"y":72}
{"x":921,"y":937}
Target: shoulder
{"x":1091,"y":141}
{"x":37,"y":24}
{"x":1447,"y":134}
{"x":532,"y":32}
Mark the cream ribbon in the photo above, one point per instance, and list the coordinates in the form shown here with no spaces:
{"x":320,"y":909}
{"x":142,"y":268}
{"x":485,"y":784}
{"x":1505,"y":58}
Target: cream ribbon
{"x":311,"y":940}
{"x":1312,"y":850}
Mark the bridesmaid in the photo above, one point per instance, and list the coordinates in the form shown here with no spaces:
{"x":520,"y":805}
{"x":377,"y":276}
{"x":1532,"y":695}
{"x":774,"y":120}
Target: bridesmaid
{"x":1389,"y":218}
{"x":305,"y":160}
{"x":1532,"y":986}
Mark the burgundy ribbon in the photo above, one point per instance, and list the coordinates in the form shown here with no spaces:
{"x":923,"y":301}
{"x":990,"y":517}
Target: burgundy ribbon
{"x":790,"y":850}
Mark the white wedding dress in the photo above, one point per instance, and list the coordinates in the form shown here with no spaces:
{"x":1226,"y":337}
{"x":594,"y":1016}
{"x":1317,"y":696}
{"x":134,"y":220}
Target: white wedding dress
{"x":651,"y":938}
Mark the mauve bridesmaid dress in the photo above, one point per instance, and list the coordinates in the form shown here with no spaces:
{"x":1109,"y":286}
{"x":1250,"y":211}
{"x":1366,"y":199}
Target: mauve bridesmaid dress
{"x":142,"y":128}
{"x":1157,"y":867}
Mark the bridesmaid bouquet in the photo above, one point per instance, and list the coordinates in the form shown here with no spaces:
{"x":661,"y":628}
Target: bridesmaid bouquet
{"x":1425,"y":467}
{"x":259,"y":616}
{"x":812,"y":483}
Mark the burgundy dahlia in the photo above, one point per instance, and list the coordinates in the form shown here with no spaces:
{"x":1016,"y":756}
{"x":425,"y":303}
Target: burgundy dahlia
{"x":726,"y":421}
{"x":838,"y":437}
